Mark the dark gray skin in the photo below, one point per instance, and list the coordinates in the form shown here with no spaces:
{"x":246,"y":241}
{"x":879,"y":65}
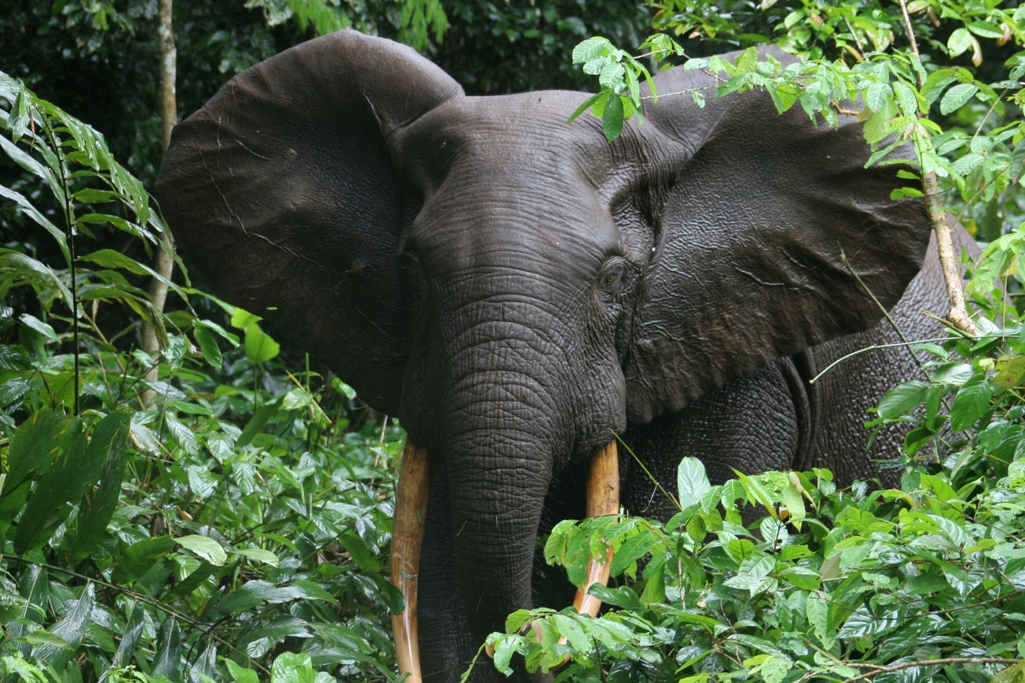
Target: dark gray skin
{"x":515,"y":289}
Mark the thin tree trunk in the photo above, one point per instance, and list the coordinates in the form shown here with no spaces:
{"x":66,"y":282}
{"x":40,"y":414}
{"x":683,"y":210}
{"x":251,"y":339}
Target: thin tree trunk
{"x":957,"y":315}
{"x":164,"y":262}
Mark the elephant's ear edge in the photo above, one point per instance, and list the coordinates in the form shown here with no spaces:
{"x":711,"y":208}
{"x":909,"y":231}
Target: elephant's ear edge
{"x":281,"y":191}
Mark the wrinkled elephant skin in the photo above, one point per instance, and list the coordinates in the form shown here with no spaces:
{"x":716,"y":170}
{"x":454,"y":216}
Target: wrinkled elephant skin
{"x":514,"y":288}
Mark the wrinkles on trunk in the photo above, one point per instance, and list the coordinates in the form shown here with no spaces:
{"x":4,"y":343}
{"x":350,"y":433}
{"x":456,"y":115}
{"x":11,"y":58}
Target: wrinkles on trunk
{"x":497,"y":485}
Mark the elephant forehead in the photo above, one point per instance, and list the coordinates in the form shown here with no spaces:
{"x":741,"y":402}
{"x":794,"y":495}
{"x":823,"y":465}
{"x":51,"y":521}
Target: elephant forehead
{"x":525,"y":134}
{"x":507,"y":177}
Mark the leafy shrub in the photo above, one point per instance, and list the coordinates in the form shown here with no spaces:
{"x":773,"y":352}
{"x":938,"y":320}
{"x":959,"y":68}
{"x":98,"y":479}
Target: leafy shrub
{"x":234,"y":528}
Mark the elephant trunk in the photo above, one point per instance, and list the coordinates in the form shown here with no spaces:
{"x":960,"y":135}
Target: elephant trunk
{"x":497,"y":485}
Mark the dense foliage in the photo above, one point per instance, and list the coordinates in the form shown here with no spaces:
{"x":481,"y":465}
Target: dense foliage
{"x":238,"y":520}
{"x":237,"y":527}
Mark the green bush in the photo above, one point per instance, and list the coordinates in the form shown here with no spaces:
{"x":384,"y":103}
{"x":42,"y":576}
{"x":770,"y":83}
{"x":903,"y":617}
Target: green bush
{"x":233,"y":529}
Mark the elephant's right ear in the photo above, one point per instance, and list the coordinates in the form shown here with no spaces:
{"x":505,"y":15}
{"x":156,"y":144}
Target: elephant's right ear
{"x":282,"y":191}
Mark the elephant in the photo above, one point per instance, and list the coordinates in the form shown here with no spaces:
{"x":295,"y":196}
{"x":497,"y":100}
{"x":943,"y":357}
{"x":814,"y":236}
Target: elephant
{"x":518,"y":291}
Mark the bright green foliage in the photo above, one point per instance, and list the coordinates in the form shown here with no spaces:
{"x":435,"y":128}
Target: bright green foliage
{"x":959,"y":101}
{"x":234,"y":529}
{"x":921,"y":583}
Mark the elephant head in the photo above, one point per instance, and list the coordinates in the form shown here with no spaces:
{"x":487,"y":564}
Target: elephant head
{"x":515,"y":288}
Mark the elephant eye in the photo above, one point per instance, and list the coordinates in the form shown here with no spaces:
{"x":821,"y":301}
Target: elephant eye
{"x":612,"y":276}
{"x":409,"y":268}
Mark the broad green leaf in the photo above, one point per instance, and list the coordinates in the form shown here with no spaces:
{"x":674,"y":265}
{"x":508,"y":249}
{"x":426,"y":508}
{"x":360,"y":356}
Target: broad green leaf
{"x":208,"y":346}
{"x":863,"y":624}
{"x":167,"y":660}
{"x":182,"y":435}
{"x":98,"y":506}
{"x":139,"y":558}
{"x":957,"y":96}
{"x":878,"y":96}
{"x":907,"y":99}
{"x":986,"y":29}
{"x":71,"y":629}
{"x":205,"y":547}
{"x":259,"y":555}
{"x":612,"y":118}
{"x":277,"y":630}
{"x":691,"y":482}
{"x":817,"y":610}
{"x":903,"y":399}
{"x":971,"y":402}
{"x":61,"y":486}
{"x":135,"y":623}
{"x":959,"y":41}
{"x":571,"y":631}
{"x":590,"y":49}
{"x":361,"y":554}
{"x":260,"y":346}
{"x":240,"y":674}
{"x":257,"y":422}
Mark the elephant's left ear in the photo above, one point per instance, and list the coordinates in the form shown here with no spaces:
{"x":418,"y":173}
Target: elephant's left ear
{"x":753,"y":214}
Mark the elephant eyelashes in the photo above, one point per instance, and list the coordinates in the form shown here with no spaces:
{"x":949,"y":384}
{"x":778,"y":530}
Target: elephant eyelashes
{"x":612,"y":277}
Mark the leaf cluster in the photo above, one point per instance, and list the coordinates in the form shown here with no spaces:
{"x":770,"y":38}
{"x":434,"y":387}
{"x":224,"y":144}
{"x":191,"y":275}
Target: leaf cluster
{"x":922,"y":582}
{"x":233,"y":529}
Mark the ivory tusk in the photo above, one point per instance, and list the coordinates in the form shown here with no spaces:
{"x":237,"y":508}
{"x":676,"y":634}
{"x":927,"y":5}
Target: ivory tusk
{"x":407,"y":540}
{"x":602,"y":499}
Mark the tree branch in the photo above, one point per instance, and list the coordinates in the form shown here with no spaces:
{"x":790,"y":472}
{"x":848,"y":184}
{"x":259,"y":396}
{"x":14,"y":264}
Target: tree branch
{"x":958,"y":312}
{"x":164,"y":259}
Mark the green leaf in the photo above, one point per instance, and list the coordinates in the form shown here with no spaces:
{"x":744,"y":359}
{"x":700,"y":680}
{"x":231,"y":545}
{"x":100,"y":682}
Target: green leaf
{"x":98,"y":507}
{"x":71,"y":629}
{"x":63,"y":484}
{"x":205,"y":547}
{"x":903,"y":399}
{"x":959,"y":41}
{"x":971,"y":402}
{"x":878,"y":96}
{"x":361,"y":554}
{"x":570,"y":629}
{"x":691,"y":482}
{"x":181,"y":434}
{"x":139,"y":558}
{"x":957,"y":96}
{"x":38,"y":325}
{"x":240,"y":674}
{"x":208,"y":346}
{"x":167,"y":661}
{"x":260,"y":346}
{"x":590,"y":49}
{"x":258,"y":555}
{"x":817,"y":610}
{"x":108,"y":258}
{"x":863,"y":624}
{"x":612,"y":118}
{"x":256,"y":423}
{"x":986,"y":29}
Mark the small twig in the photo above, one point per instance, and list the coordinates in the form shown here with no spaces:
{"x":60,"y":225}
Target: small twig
{"x":933,"y":662}
{"x":886,"y":313}
{"x":881,"y":346}
{"x":857,"y":41}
